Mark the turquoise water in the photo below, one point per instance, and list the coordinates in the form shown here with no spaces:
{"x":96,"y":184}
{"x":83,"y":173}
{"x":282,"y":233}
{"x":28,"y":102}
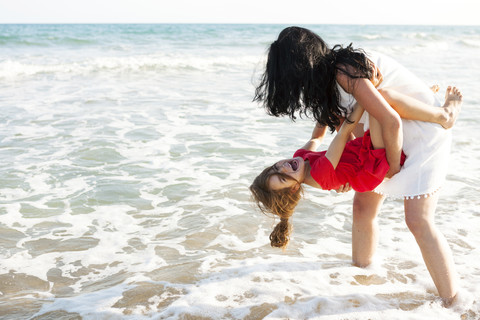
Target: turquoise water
{"x":128,"y":151}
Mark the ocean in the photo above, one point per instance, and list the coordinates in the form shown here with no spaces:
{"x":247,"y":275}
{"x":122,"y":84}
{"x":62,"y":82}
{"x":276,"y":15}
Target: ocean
{"x":127,"y":154}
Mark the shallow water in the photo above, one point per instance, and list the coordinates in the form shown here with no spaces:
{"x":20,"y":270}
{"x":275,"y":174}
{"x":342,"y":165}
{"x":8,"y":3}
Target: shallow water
{"x":128,"y":151}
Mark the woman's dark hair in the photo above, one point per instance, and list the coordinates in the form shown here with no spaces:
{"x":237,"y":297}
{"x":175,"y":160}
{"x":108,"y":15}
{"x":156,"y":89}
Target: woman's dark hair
{"x":300,"y":76}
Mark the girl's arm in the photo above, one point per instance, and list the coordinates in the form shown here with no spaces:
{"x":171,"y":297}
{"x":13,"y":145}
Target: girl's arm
{"x":368,"y":96}
{"x":343,"y":135}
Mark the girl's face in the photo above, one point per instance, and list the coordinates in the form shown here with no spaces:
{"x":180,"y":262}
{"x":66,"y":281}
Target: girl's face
{"x":294,"y":168}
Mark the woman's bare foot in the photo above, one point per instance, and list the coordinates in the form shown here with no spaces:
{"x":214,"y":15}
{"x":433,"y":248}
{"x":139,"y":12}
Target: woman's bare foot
{"x":452,"y":106}
{"x":448,"y":302}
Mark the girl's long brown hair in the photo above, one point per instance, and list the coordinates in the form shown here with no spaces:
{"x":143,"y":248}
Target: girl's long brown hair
{"x":281,"y":203}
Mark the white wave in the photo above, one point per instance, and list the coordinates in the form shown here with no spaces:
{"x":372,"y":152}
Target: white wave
{"x":374,"y":36}
{"x":470,"y":42}
{"x":129,"y":64}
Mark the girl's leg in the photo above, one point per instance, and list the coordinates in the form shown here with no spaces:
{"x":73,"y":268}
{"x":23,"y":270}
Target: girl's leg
{"x":419,"y":216}
{"x":376,"y":133}
{"x":366,"y":206}
{"x":358,"y":131}
{"x":413,"y":109}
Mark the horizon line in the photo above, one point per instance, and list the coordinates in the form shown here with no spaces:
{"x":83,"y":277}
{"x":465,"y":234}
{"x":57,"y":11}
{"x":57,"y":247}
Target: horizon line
{"x":241,"y":23}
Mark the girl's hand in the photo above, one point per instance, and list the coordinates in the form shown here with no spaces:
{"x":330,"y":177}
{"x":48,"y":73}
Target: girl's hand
{"x":345,"y":188}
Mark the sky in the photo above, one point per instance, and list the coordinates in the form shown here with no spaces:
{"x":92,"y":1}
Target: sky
{"x":419,"y":12}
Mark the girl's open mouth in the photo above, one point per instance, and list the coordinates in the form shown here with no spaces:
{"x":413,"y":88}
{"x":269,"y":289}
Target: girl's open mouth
{"x":294,"y":164}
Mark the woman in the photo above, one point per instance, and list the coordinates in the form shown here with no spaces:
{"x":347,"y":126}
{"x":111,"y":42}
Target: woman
{"x":304,"y":76}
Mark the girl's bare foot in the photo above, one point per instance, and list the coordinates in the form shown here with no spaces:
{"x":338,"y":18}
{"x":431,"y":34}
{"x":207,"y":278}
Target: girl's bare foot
{"x":452,"y":106}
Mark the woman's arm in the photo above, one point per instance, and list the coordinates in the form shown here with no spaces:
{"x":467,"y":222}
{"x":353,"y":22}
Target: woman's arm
{"x":343,"y":135}
{"x":368,"y":96}
{"x":317,"y":136}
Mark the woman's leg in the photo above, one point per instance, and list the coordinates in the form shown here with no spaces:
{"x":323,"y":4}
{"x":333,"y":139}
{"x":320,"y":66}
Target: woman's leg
{"x":419,"y":215}
{"x":366,"y":206}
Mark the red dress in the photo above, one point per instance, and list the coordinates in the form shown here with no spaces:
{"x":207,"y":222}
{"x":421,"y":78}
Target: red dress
{"x":360,"y":165}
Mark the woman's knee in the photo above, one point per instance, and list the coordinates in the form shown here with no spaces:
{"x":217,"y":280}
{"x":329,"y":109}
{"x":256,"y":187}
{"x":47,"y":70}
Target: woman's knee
{"x":419,"y":215}
{"x":418,"y":225}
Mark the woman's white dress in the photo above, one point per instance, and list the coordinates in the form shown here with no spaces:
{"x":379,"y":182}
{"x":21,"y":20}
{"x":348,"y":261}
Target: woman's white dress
{"x":427,"y":145}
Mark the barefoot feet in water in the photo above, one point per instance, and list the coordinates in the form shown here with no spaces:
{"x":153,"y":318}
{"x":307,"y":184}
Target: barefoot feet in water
{"x":452,"y":106}
{"x":449,"y":302}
